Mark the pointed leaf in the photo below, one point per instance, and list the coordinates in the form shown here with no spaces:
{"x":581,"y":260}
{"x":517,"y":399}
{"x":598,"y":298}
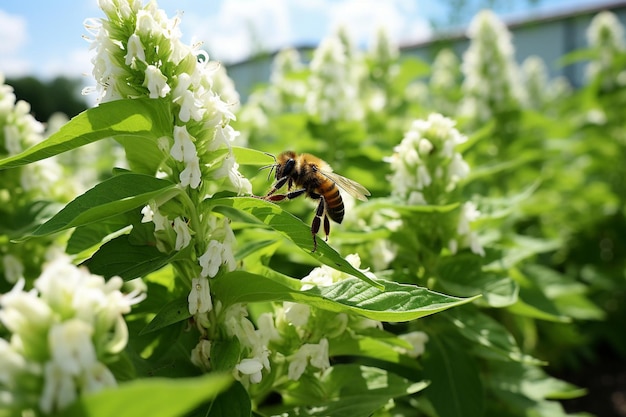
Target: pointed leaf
{"x":294,"y":229}
{"x":349,"y":390}
{"x":138,"y":117}
{"x":151,"y":397}
{"x":395,"y":303}
{"x":175,"y":311}
{"x":119,"y":257}
{"x":109,"y":198}
{"x":456,"y":389}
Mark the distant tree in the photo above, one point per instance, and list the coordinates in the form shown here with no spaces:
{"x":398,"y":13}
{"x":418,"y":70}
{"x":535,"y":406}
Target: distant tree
{"x":58,"y":95}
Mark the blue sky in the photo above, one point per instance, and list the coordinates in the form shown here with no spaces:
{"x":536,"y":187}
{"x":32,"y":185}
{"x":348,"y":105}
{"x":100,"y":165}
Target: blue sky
{"x":44,"y":38}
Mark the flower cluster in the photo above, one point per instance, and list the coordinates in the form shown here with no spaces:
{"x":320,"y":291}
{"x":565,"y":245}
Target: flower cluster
{"x":446,"y":76}
{"x":138,"y":53}
{"x":63,"y":333}
{"x":426,"y":169}
{"x":540,"y":90}
{"x":491,"y":85}
{"x":22,"y":188}
{"x":605,"y":35}
{"x":333,"y":85}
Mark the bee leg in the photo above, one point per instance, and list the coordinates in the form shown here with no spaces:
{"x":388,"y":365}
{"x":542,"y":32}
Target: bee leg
{"x":326,"y":226}
{"x":277,"y":186}
{"x":317,"y":221}
{"x":279,"y":197}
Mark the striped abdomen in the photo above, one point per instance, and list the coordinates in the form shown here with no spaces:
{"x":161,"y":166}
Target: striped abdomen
{"x":334,"y":204}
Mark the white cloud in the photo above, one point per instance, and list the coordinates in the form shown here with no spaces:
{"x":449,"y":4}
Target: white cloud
{"x":73,"y":63}
{"x":240,"y":26}
{"x":13,"y":37}
{"x":362,"y":18}
{"x":12,"y":33}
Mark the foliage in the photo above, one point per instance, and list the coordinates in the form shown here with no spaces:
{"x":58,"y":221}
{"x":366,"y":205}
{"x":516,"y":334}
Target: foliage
{"x":457,"y":289}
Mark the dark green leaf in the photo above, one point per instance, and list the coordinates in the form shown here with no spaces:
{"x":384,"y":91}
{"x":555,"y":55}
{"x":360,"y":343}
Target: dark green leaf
{"x":114,"y":196}
{"x":118,"y":257}
{"x":234,"y":402}
{"x":89,"y":235}
{"x":175,"y":311}
{"x":456,"y":389}
{"x":350,"y":390}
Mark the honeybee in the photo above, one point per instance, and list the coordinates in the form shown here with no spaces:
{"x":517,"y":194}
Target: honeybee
{"x":312,"y":177}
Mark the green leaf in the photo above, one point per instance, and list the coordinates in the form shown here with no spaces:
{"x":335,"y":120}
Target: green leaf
{"x":151,"y":396}
{"x":119,"y":257}
{"x":175,"y":311}
{"x":395,"y":303}
{"x":247,"y":156}
{"x":349,"y":390}
{"x":27,"y":218}
{"x":532,"y":382}
{"x":371,"y":347}
{"x":147,"y":118}
{"x":234,"y":402}
{"x":89,"y":235}
{"x":482,"y":330}
{"x":456,"y":389}
{"x":382,"y":203}
{"x":294,"y":229}
{"x":111,"y":197}
{"x":462,"y":275}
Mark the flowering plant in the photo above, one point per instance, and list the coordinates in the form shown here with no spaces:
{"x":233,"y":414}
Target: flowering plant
{"x":172,"y":218}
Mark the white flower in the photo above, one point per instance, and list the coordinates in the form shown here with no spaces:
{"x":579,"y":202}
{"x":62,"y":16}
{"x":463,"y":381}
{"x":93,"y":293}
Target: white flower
{"x":201,"y":355}
{"x":211,"y":259}
{"x":71,"y":347}
{"x":200,"y":296}
{"x":190,"y":106}
{"x":315,"y":354}
{"x":97,"y":377}
{"x":426,"y":159}
{"x":147,"y":214}
{"x":13,"y":268}
{"x":296,"y":313}
{"x":267,"y":329}
{"x":24,"y":312}
{"x":230,"y":169}
{"x":417,"y":340}
{"x":469,"y":213}
{"x":191,"y":175}
{"x":135,"y":50}
{"x":59,"y":389}
{"x":183,"y":236}
{"x":183,"y":149}
{"x":156,"y":82}
{"x":252,"y":368}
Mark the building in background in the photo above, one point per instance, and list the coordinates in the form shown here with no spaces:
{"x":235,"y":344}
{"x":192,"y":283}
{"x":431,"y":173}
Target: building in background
{"x":550,"y":36}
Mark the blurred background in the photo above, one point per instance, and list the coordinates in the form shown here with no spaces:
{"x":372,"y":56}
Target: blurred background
{"x":45,"y":58}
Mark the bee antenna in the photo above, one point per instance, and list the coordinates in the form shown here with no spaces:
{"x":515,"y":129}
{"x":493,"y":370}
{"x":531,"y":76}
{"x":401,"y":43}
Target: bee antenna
{"x":270,"y":166}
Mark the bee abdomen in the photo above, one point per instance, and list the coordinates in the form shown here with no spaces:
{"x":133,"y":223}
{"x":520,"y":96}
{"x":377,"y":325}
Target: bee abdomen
{"x":334,"y":204}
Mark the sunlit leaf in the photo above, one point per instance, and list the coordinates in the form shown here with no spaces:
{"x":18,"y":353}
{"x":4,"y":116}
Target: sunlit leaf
{"x":151,"y":396}
{"x":395,"y":303}
{"x":147,"y":118}
{"x":116,"y":195}
{"x":293,"y":228}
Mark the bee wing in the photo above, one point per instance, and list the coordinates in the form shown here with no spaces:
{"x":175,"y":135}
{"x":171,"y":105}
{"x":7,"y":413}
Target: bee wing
{"x":353,"y":188}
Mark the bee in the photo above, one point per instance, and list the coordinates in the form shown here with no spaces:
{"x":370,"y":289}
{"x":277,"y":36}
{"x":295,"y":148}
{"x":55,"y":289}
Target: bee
{"x":308,"y":175}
